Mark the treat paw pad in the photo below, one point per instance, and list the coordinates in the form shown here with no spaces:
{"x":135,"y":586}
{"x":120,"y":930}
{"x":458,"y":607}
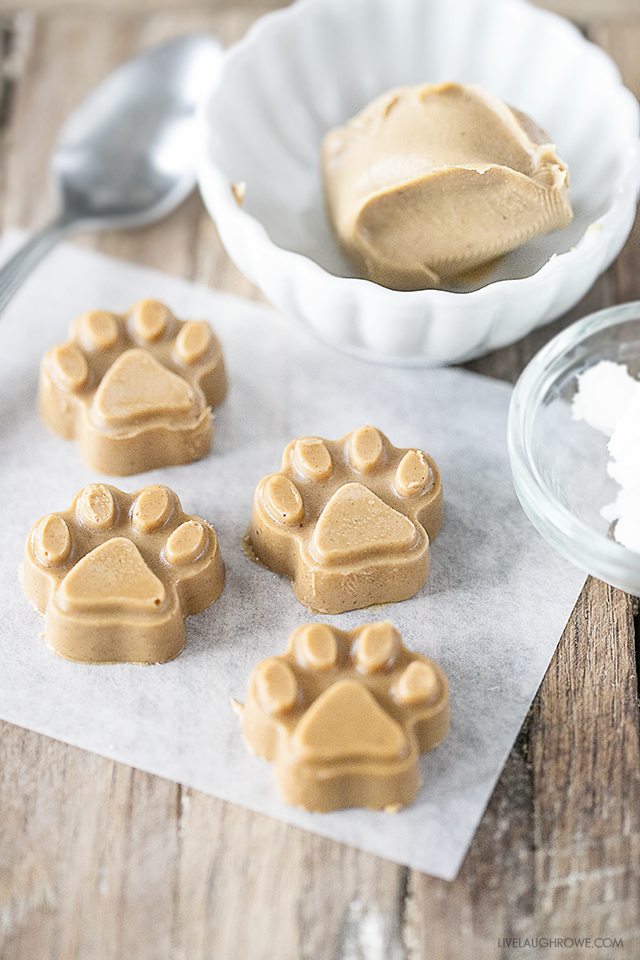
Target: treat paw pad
{"x":344,"y":716}
{"x":348,"y":521}
{"x":116,"y":574}
{"x":135,"y":391}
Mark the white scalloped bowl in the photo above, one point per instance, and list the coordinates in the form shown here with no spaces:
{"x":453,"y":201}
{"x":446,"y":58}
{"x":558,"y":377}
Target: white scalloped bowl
{"x":313,"y":65}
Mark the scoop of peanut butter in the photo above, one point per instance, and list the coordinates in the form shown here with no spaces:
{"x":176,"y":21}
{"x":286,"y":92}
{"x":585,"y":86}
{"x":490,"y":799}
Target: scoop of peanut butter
{"x":429,"y":184}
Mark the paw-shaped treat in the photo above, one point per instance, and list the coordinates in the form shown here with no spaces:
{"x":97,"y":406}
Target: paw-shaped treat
{"x":348,"y":520}
{"x":344,"y":717}
{"x":135,"y":391}
{"x":117,"y":573}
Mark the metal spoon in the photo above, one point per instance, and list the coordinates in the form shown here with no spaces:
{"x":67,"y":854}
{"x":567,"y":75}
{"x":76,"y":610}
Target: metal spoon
{"x":127,"y":155}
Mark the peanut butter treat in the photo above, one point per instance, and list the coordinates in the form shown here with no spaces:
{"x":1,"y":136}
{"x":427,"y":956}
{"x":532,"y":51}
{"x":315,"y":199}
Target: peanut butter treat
{"x":344,"y":717}
{"x":429,"y":184}
{"x":348,"y":521}
{"x":117,"y":573}
{"x":136,"y":390}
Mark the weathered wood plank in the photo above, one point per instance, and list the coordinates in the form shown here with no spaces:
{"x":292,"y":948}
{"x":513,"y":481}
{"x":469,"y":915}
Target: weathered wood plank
{"x":590,"y":11}
{"x":97,"y":860}
{"x":580,"y":10}
{"x":586,"y":765}
{"x":556,"y":854}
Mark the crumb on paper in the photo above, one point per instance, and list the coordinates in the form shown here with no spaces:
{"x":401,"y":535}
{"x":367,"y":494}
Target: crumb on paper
{"x":239,"y":191}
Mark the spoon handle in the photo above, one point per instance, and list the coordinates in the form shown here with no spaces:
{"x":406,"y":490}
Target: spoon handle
{"x":15,"y":271}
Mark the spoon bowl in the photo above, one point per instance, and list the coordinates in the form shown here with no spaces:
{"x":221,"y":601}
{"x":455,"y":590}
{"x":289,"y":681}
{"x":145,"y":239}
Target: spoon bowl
{"x":127,"y":155}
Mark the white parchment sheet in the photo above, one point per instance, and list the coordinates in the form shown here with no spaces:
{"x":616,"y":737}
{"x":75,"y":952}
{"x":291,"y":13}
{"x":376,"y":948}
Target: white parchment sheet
{"x":491,"y":613}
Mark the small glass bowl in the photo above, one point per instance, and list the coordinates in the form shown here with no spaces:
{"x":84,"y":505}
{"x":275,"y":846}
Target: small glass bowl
{"x":559,"y":465}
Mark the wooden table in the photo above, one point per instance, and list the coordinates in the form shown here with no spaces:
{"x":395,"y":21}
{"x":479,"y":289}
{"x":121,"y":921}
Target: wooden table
{"x":101,"y":862}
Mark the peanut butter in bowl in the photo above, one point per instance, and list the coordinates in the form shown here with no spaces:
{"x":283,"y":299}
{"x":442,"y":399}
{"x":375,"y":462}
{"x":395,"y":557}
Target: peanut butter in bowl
{"x":429,"y":185}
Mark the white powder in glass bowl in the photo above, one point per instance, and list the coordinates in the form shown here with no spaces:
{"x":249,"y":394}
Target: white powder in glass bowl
{"x":608,"y":399}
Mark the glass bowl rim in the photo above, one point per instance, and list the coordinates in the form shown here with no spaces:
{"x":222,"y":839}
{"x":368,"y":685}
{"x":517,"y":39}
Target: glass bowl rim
{"x":588,"y":548}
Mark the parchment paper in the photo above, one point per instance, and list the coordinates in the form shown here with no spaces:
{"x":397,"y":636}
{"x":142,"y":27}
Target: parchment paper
{"x":491,"y":613}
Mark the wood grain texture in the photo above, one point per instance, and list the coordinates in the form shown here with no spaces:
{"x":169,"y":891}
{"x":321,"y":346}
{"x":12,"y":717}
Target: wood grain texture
{"x":579,"y":10}
{"x":101,"y":862}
